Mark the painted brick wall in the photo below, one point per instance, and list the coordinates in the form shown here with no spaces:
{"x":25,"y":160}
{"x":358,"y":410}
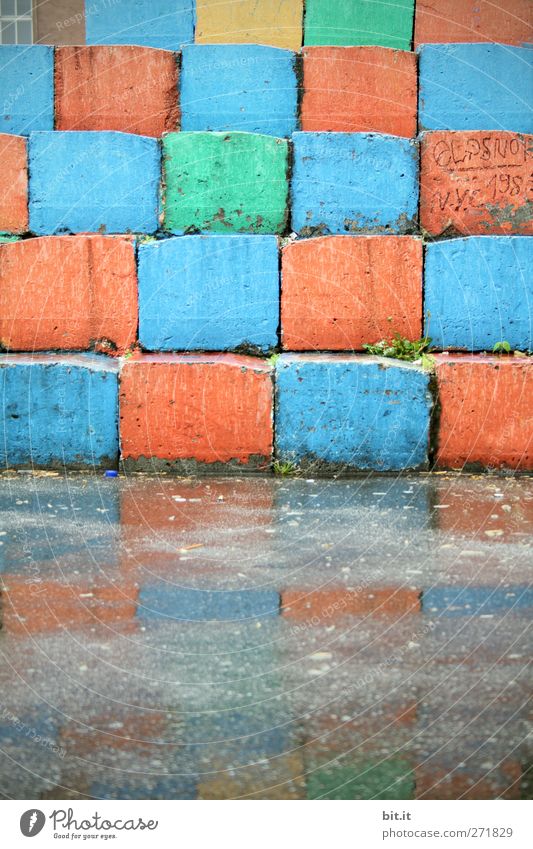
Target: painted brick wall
{"x":209,"y":210}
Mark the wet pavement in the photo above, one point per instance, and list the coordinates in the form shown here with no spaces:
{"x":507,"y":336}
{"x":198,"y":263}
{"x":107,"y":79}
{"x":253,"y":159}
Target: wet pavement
{"x":265,"y":638}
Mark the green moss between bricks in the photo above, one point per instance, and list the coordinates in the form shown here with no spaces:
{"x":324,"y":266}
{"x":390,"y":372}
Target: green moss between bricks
{"x":352,"y":22}
{"x":225,"y":182}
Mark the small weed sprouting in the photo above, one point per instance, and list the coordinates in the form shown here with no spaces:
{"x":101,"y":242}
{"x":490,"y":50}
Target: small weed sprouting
{"x":284,"y":469}
{"x":400,"y":348}
{"x":273,"y":359}
{"x":502,"y":347}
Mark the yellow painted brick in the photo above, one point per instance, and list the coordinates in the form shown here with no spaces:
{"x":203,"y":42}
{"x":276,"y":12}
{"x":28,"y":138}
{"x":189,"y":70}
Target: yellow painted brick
{"x":275,"y":22}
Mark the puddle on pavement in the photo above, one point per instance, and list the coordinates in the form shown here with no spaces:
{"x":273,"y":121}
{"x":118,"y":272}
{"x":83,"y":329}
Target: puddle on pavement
{"x":265,"y":638}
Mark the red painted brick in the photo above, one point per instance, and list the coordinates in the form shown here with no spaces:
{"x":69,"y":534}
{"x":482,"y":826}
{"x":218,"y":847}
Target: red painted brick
{"x":50,"y":606}
{"x":207,"y":408}
{"x":486,"y":416}
{"x":116,"y":87}
{"x":321,"y":606}
{"x":13,"y":184}
{"x":67,"y":293}
{"x":359,"y":89}
{"x":474,"y":183}
{"x":507,"y":21}
{"x":340,"y":292}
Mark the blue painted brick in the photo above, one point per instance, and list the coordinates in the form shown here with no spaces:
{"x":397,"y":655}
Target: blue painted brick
{"x":479,"y":291}
{"x":151,"y":23}
{"x":354,"y":182}
{"x":359,"y":412}
{"x":476,"y":87}
{"x":476,"y":601}
{"x":58,"y":409}
{"x":26,"y":88}
{"x":211,"y":293}
{"x":163,"y":602}
{"x":239,"y":87}
{"x":93,"y":182}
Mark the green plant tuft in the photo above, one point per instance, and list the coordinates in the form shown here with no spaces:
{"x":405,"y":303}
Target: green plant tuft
{"x":284,"y":468}
{"x":502,"y":348}
{"x":400,"y":348}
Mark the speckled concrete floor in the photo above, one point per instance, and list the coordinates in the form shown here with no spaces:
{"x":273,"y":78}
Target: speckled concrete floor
{"x":265,"y":638}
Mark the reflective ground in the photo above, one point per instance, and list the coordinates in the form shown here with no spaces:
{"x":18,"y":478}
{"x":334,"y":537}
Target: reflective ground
{"x":265,"y":638}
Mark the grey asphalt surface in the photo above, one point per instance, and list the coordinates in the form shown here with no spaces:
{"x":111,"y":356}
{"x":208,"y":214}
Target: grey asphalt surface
{"x":265,"y":637}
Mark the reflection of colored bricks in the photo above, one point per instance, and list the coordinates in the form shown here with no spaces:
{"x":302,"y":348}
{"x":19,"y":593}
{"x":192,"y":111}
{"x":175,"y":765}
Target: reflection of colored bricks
{"x":50,"y":606}
{"x":319,"y":606}
{"x":508,"y":21}
{"x":390,"y":779}
{"x":13,"y":184}
{"x":128,"y":88}
{"x":81,"y":289}
{"x":341,"y":292}
{"x":360,"y":412}
{"x":475,"y":87}
{"x":450,"y":781}
{"x":476,"y":183}
{"x":485,"y":411}
{"x":359,"y":89}
{"x":227,"y":287}
{"x":224,"y":182}
{"x":164,"y":603}
{"x":282,"y":777}
{"x":26,"y":88}
{"x":208,"y":408}
{"x":250,"y":22}
{"x":476,"y":601}
{"x":153,"y":23}
{"x":247,"y":87}
{"x":82,"y":181}
{"x":475,"y":291}
{"x":181,"y":787}
{"x":58,"y":410}
{"x":350,"y":183}
{"x":359,"y":22}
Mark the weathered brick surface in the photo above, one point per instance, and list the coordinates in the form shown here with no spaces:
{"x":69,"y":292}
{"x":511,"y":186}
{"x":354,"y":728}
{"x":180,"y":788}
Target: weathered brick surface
{"x":476,"y":183}
{"x":359,"y":89}
{"x":249,"y":22}
{"x":351,"y":412}
{"x":485,"y":411}
{"x":351,"y":183}
{"x":341,"y":292}
{"x":120,"y":87}
{"x":68,"y":292}
{"x":58,"y":410}
{"x":13,"y":184}
{"x":93,"y":182}
{"x":359,"y":22}
{"x":475,"y":87}
{"x":205,"y":408}
{"x":508,"y":21}
{"x":227,"y":287}
{"x":224,"y":182}
{"x":475,"y":292}
{"x":246,"y":87}
{"x":317,"y":606}
{"x":26,"y":88}
{"x":166,"y":24}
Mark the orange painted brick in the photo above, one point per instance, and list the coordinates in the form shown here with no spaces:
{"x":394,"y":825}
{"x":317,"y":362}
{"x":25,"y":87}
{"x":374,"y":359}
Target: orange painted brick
{"x":341,"y":292}
{"x":321,"y":606}
{"x":486,"y":417}
{"x":475,"y":183}
{"x":207,"y":408}
{"x":359,"y":89}
{"x":507,"y":21}
{"x":50,"y":606}
{"x":117,"y":87}
{"x":13,"y":184}
{"x":68,"y":293}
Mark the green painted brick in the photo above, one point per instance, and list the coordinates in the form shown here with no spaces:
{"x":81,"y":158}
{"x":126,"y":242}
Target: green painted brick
{"x":392,"y":779}
{"x":346,"y":22}
{"x":224,"y":183}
